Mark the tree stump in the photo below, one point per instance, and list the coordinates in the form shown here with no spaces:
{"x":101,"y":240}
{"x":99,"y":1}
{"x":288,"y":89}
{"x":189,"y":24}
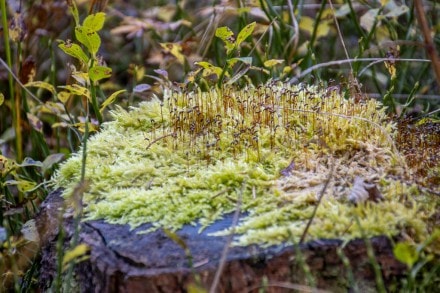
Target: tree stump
{"x":121,"y":260}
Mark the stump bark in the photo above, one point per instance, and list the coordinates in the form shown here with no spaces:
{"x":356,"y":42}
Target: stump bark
{"x":121,"y":260}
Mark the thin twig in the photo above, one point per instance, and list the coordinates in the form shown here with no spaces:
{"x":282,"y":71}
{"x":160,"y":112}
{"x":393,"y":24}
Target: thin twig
{"x":291,"y":286}
{"x":159,"y":138}
{"x":340,"y":35}
{"x":339,"y":62}
{"x":222,"y":262}
{"x":19,"y":82}
{"x":321,"y":195}
{"x":426,"y":31}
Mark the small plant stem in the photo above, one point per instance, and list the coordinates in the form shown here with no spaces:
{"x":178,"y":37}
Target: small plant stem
{"x":429,"y":44}
{"x":370,"y":253}
{"x":321,"y":195}
{"x":315,"y":28}
{"x":224,"y":255}
{"x":77,"y":220}
{"x":15,"y":104}
{"x":95,"y":102}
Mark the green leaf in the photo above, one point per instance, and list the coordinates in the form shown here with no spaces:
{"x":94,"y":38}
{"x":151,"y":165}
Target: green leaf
{"x":74,"y":50}
{"x":245,"y":33}
{"x":2,"y":98}
{"x":88,"y":38}
{"x":99,"y":72}
{"x":74,"y":10}
{"x":245,"y":60}
{"x":42,"y":85}
{"x":94,"y":22}
{"x":227,"y":36}
{"x":406,"y":253}
{"x":110,"y":100}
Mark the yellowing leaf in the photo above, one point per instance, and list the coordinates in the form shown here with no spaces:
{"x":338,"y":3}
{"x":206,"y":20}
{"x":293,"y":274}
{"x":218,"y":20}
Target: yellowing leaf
{"x":82,"y":127}
{"x":6,"y":165}
{"x":2,"y":98}
{"x":191,"y":76}
{"x":74,"y":50}
{"x":227,"y":36}
{"x":75,"y":253}
{"x":273,"y":62}
{"x":63,"y":96}
{"x":194,"y":288}
{"x":99,"y":72}
{"x":175,"y":50}
{"x":51,"y":108}
{"x":307,"y":24}
{"x":287,"y":70}
{"x":22,"y":185}
{"x":390,"y":66}
{"x":110,"y":100}
{"x":209,"y":69}
{"x":81,"y":77}
{"x":94,"y":22}
{"x":247,"y":60}
{"x":60,"y":124}
{"x":35,"y":122}
{"x":42,"y":85}
{"x":88,"y":38}
{"x":77,"y":90}
{"x":406,"y":253}
{"x":245,"y":33}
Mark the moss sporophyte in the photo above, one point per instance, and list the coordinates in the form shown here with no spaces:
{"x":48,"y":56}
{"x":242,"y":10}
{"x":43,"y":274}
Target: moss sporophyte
{"x":187,"y":158}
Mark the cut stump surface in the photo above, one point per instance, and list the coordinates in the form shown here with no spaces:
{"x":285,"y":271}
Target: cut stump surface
{"x":121,"y":260}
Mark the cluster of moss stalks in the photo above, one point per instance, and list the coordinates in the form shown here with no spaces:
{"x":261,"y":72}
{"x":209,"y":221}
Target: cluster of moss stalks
{"x":192,"y":156}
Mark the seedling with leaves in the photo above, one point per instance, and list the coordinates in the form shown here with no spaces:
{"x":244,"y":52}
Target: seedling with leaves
{"x":91,"y":70}
{"x":232,"y":46}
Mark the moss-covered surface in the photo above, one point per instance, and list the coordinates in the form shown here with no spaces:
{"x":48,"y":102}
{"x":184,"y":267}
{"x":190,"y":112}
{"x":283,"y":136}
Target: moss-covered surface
{"x":191,"y":157}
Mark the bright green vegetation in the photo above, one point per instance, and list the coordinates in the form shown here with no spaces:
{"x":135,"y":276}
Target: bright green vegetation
{"x":192,"y":156}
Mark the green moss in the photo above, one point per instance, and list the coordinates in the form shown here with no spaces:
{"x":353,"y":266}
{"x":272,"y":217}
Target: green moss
{"x":189,"y":158}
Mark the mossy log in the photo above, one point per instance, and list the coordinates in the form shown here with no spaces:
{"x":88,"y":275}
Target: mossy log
{"x":121,"y":260}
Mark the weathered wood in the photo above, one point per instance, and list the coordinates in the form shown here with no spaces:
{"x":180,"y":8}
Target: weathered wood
{"x":123,"y":261}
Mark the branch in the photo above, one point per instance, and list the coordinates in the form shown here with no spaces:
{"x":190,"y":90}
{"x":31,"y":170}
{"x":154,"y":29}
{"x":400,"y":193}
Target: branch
{"x":426,"y":31}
